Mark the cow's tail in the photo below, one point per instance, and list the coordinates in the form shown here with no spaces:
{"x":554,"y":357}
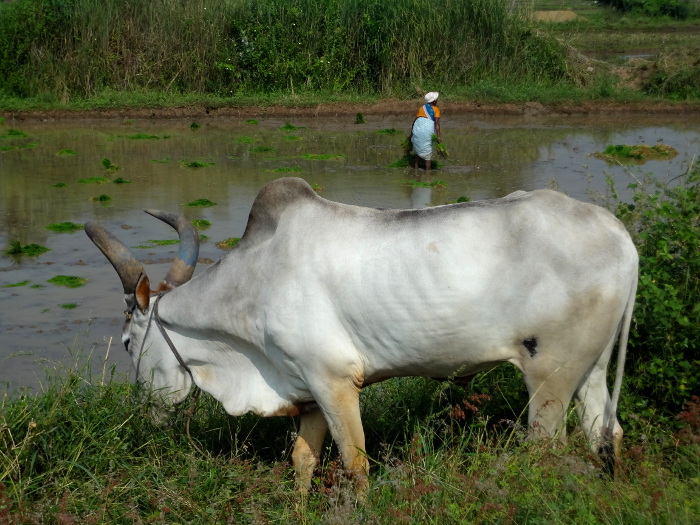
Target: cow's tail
{"x":623,"y":338}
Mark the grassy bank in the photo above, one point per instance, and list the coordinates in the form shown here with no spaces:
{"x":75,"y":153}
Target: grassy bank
{"x":81,"y":55}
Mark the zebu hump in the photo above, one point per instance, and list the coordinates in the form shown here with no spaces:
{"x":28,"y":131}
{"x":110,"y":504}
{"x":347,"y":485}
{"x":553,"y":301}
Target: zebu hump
{"x":272,"y":201}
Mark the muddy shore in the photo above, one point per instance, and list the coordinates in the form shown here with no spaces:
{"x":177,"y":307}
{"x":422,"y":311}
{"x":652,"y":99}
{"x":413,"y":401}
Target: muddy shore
{"x":385,"y":107}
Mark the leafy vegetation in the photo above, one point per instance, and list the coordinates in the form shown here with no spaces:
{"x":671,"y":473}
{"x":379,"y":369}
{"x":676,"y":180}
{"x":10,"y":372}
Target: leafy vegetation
{"x":93,"y":180}
{"x":109,"y":165}
{"x":664,"y":220}
{"x":200,"y":224}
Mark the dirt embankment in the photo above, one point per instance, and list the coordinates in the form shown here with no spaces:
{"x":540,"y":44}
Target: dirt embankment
{"x":385,"y":107}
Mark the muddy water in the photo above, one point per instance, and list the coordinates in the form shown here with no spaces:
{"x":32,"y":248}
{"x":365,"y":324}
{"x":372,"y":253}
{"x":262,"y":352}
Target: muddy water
{"x":490,"y":157}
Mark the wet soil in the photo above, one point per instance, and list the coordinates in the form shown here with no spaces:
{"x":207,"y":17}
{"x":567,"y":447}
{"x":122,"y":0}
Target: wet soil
{"x":385,"y":107}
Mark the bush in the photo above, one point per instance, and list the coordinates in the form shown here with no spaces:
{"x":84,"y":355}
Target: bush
{"x":664,"y":356}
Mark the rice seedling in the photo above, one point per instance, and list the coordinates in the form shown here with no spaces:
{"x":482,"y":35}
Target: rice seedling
{"x":30,"y":250}
{"x":59,"y":185}
{"x":195,"y":164}
{"x":69,"y":281}
{"x":66,"y":153}
{"x":102,"y":198}
{"x":200,"y":224}
{"x":360,"y":118}
{"x":200,"y":203}
{"x":194,"y":126}
{"x":16,"y":285}
{"x":323,"y":156}
{"x":13,"y":134}
{"x":65,"y":227}
{"x":68,"y":306}
{"x":120,"y":180}
{"x":229,"y":243}
{"x":93,"y":180}
{"x":109,"y":165}
{"x":261,"y":149}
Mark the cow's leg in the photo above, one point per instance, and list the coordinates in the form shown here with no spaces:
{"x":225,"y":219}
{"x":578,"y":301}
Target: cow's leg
{"x":307,"y":449}
{"x":341,"y":406}
{"x":594,"y":407}
{"x":550,"y":395}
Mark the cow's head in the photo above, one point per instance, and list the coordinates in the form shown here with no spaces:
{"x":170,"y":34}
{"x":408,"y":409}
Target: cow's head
{"x":156,"y":366}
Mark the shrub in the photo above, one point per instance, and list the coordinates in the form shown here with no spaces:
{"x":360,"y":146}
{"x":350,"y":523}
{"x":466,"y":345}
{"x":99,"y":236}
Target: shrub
{"x":664,"y":356}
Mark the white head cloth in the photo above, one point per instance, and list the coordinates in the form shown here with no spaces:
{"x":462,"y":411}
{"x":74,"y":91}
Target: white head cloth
{"x":431,"y":97}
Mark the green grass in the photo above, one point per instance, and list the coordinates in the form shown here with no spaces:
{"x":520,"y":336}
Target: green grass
{"x":83,"y":450}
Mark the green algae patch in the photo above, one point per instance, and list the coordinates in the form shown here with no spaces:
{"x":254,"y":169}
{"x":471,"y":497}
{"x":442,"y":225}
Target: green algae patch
{"x":639,"y":154}
{"x":229,"y":243}
{"x":200,"y":203}
{"x":69,"y":281}
{"x":68,"y":306}
{"x":65,"y":227}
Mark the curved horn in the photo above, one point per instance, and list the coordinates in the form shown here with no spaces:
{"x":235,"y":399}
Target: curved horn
{"x":183,"y":266}
{"x":126,"y":265}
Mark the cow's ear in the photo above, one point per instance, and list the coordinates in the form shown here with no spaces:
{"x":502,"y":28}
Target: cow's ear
{"x":143,"y":292}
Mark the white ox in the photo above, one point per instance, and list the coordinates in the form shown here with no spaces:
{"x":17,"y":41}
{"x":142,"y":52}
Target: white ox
{"x":319,"y":299}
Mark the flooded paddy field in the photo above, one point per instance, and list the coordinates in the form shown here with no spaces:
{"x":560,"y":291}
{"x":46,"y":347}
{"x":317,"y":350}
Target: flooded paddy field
{"x":108,"y":170}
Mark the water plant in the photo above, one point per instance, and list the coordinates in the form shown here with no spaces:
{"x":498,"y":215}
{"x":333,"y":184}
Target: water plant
{"x":120,"y":180}
{"x":252,"y":122}
{"x":30,"y":250}
{"x":292,"y":137}
{"x":200,"y":203}
{"x":200,"y":224}
{"x":244,"y":139}
{"x":59,"y":185}
{"x":360,"y":118}
{"x":161,"y":161}
{"x":66,"y":153}
{"x":69,"y":281}
{"x":65,"y":227}
{"x":69,"y":306}
{"x":194,"y":126}
{"x":388,"y":131}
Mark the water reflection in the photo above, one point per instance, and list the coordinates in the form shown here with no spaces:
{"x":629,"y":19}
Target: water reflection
{"x":488,"y":159}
